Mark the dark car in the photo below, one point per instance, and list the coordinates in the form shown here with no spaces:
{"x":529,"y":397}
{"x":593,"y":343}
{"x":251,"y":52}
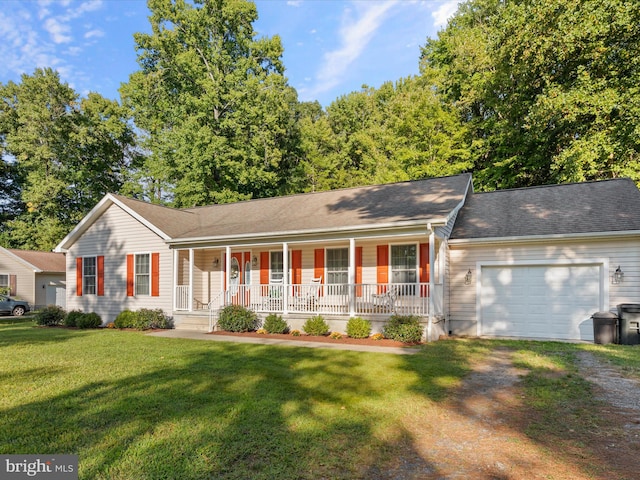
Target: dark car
{"x":14,"y":307}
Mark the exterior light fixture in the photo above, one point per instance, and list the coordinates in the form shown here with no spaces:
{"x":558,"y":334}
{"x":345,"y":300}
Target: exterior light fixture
{"x":254,"y":261}
{"x":618,"y":276}
{"x":216,"y":262}
{"x":467,"y":277}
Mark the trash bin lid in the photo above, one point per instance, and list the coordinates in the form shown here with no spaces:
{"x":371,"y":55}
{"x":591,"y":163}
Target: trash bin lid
{"x":629,"y":307}
{"x":605,"y":314}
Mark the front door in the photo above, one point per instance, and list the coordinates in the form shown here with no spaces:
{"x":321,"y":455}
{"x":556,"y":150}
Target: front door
{"x":240,"y":278}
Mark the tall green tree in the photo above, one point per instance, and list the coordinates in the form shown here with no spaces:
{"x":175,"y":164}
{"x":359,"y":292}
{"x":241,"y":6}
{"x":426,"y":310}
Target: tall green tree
{"x":218,"y":114}
{"x":67,"y":153}
{"x":547,"y":88}
{"x":398,"y":132}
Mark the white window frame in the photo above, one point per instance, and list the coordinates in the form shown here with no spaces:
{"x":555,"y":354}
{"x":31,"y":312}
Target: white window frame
{"x":89,"y":280}
{"x":280,"y":278}
{"x":405,"y":290}
{"x":136,"y":284}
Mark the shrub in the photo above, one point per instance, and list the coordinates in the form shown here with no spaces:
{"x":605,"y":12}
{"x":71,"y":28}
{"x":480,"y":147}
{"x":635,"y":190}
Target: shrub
{"x":358,"y":327}
{"x":236,"y":318}
{"x":71,"y":320}
{"x":275,"y":324}
{"x":125,"y":319}
{"x":147,"y":319}
{"x":295,"y":333}
{"x":335,"y":335}
{"x":403,"y":328}
{"x":49,"y":316}
{"x":377,"y":336}
{"x":89,"y":320}
{"x":316,"y":326}
{"x":143,"y":319}
{"x":261,"y":331}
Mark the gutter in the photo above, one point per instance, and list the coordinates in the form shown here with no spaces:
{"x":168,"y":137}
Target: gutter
{"x":377,"y":229}
{"x":544,"y":238}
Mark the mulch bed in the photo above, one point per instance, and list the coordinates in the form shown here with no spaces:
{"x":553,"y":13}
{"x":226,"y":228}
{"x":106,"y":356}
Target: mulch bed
{"x":322,"y":339}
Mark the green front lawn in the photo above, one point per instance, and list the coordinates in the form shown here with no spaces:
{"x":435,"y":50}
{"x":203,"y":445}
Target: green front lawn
{"x":135,"y":406}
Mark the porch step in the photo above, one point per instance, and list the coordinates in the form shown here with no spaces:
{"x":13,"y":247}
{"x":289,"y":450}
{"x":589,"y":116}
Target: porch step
{"x":199,"y":323}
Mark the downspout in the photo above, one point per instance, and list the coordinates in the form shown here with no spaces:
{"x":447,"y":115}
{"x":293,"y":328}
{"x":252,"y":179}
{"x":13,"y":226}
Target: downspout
{"x":432,"y":257}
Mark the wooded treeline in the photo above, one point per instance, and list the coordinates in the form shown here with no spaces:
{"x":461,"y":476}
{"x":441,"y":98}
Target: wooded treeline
{"x":519,"y":93}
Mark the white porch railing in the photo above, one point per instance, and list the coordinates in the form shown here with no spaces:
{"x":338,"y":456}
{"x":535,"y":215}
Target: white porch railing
{"x":345,"y":299}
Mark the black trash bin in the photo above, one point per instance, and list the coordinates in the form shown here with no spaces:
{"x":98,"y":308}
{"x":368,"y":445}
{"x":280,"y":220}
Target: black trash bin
{"x":604,"y":327}
{"x":629,"y":324}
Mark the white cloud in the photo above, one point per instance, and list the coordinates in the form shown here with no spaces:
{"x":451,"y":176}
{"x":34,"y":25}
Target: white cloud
{"x":294,"y":3}
{"x":444,"y":12}
{"x":58,"y":31}
{"x":354,"y":36}
{"x":94,"y":33}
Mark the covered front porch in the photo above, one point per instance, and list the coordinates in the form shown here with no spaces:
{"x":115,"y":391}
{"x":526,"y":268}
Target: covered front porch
{"x":338,"y":278}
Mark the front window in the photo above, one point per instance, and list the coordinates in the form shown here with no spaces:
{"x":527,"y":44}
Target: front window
{"x":89,"y":275}
{"x":276,"y":270}
{"x":143,"y":274}
{"x":404,"y":261}
{"x":337,"y":268}
{"x":4,"y":284}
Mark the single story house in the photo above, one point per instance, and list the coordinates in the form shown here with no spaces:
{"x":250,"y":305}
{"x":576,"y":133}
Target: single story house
{"x":37,"y":277}
{"x":530,"y":262}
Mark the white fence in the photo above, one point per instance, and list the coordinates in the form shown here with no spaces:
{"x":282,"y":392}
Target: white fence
{"x":343,"y":299}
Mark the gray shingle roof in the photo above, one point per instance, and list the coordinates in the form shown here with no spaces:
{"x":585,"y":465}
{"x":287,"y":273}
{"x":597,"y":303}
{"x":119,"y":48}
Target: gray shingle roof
{"x":590,"y":207}
{"x":413,"y":201}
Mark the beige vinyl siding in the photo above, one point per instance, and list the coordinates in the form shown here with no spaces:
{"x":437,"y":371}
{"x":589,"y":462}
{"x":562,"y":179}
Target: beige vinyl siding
{"x":462,"y":298}
{"x":114,"y":235}
{"x":46,"y":279}
{"x":25,"y":277}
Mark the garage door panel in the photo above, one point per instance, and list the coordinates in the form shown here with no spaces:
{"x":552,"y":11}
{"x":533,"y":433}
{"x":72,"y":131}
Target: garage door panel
{"x":552,"y":301}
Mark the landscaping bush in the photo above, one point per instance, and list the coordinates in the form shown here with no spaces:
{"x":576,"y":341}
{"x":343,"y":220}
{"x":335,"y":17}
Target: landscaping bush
{"x":403,"y":328}
{"x":125,"y":319}
{"x":147,"y":319}
{"x":236,"y":318}
{"x":71,"y":320}
{"x":89,"y":320}
{"x":358,"y":327}
{"x":275,"y":324}
{"x":316,"y":326}
{"x":50,"y":316}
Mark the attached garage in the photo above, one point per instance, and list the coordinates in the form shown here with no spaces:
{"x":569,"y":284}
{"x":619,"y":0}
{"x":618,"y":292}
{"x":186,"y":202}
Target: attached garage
{"x":540,"y":301}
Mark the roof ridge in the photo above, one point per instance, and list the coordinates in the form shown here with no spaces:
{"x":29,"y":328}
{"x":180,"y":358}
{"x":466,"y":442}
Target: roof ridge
{"x":555,"y":185}
{"x":344,"y":189}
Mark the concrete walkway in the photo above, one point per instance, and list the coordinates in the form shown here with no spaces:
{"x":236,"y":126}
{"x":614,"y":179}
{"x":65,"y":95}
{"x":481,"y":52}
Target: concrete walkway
{"x":197,"y":335}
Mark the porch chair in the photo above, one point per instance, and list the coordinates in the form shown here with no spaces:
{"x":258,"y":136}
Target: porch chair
{"x":308,"y":301}
{"x":387,"y":299}
{"x":273,"y":299}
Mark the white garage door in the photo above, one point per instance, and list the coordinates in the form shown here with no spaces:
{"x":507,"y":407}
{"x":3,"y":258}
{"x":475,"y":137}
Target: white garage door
{"x":540,"y":301}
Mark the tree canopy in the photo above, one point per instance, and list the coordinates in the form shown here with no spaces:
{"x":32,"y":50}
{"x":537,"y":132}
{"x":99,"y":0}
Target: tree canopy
{"x":520,"y":93}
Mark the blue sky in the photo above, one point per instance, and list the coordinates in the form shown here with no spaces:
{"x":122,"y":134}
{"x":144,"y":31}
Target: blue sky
{"x":331,"y":47}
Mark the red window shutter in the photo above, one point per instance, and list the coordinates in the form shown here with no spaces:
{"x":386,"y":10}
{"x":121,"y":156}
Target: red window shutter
{"x":382,"y":269}
{"x":13,"y":285}
{"x":425,"y":268}
{"x":130,"y":275}
{"x":100,"y":274}
{"x":155,"y":274}
{"x":79,"y":276}
{"x":264,"y":268}
{"x":359,"y":271}
{"x":296,"y":266}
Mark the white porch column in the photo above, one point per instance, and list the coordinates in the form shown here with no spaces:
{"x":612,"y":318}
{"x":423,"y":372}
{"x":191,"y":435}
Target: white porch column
{"x":227,"y":272}
{"x":285,"y":278}
{"x":352,"y":277}
{"x":175,"y":277}
{"x":191,"y":292}
{"x":432,"y":258}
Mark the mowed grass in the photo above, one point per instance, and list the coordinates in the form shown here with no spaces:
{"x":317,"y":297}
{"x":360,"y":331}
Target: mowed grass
{"x":135,"y":406}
